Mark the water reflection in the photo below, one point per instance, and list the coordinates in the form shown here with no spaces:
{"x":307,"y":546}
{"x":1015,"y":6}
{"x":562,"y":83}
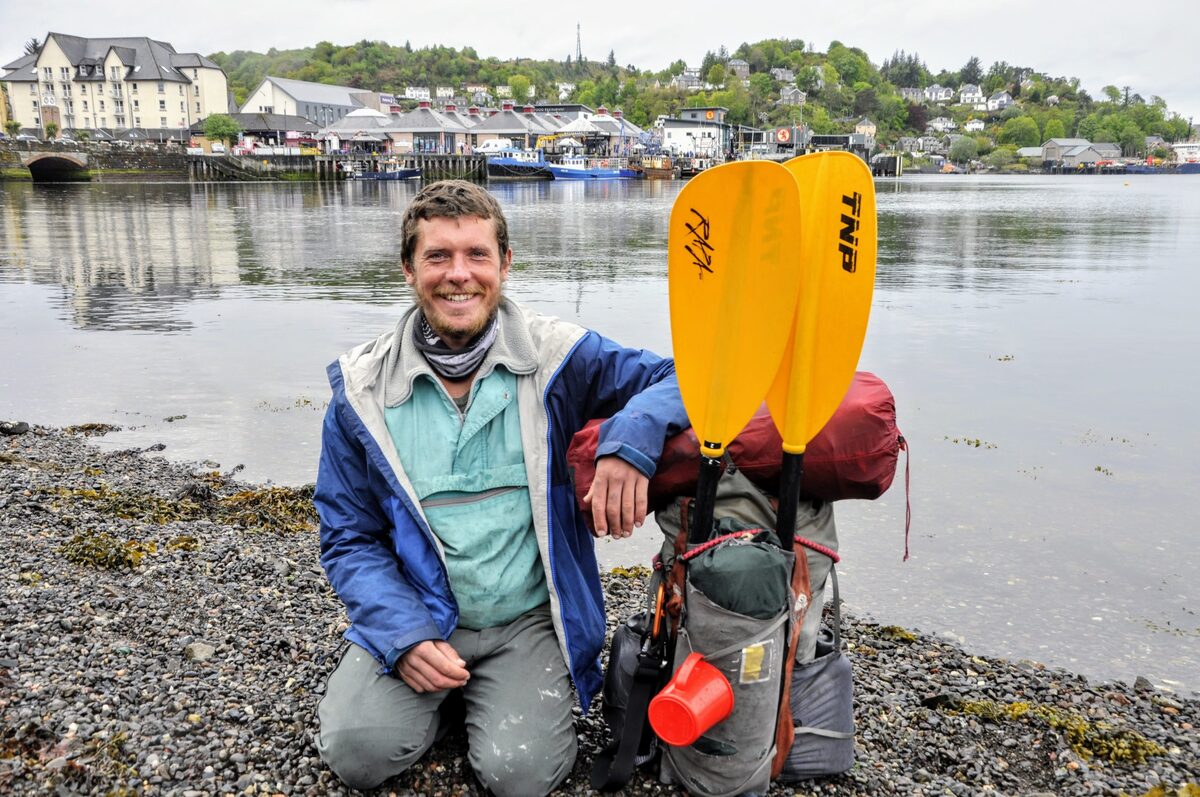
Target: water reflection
{"x":1052,"y":318}
{"x":989,"y":235}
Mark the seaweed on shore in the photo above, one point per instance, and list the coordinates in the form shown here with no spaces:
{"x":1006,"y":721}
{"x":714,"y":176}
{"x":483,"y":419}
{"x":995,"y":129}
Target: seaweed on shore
{"x":91,"y":429}
{"x":100,"y":549}
{"x":286,"y":510}
{"x":281,"y":509}
{"x":1087,"y":739}
{"x":1186,"y":790}
{"x":144,"y":507}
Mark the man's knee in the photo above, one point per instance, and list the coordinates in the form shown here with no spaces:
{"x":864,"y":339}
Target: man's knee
{"x":524,"y":767}
{"x":362,"y":758}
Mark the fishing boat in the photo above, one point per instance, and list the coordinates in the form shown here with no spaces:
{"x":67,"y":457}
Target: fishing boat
{"x":578,"y":167}
{"x":389,"y":170}
{"x":658,"y":167}
{"x":690,"y":167}
{"x":517,"y":164}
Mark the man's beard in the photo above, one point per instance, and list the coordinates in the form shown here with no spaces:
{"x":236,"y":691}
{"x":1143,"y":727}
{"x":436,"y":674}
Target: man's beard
{"x":445,"y":326}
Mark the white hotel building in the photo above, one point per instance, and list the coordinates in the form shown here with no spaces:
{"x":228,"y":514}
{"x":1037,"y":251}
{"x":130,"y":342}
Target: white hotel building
{"x":136,"y":82}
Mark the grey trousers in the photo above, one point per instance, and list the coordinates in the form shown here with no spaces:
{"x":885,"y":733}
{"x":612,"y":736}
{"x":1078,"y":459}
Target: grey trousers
{"x":519,"y":727}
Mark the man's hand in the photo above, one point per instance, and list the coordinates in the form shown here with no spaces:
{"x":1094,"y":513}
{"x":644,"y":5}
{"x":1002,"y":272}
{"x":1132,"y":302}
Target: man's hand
{"x":432,"y":666}
{"x":617,"y":498}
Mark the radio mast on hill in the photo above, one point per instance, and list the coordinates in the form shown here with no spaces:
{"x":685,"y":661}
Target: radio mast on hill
{"x":578,"y":46}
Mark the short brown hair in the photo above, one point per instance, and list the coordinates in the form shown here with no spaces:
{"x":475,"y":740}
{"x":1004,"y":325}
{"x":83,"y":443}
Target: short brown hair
{"x":450,"y":199}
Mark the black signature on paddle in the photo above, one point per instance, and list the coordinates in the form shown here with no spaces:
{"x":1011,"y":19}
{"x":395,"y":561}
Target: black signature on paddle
{"x":699,"y":247}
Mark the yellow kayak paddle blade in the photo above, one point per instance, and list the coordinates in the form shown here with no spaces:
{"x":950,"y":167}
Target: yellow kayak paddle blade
{"x":837,"y":264}
{"x":733,"y":242}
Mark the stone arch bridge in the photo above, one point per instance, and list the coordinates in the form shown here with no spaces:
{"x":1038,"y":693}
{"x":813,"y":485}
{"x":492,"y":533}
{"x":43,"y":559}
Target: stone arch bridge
{"x":44,"y":165}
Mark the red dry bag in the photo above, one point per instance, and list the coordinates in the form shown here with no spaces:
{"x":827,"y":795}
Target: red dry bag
{"x":853,"y":456}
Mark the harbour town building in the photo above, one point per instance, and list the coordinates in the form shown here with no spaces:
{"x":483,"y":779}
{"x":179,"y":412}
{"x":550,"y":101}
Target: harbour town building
{"x":320,"y":103}
{"x":76,"y":83}
{"x":699,"y":132}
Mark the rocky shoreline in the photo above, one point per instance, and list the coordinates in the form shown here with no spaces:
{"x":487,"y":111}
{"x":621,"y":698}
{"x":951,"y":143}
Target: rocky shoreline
{"x":167,"y":630}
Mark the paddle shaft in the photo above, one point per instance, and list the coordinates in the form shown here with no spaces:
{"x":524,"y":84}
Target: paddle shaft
{"x":706,"y":499}
{"x":789,"y":499}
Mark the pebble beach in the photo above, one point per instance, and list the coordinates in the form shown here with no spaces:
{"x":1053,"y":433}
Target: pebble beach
{"x":167,"y":629}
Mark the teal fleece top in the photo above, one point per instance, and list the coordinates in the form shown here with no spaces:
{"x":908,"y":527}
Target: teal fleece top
{"x":468,"y":472}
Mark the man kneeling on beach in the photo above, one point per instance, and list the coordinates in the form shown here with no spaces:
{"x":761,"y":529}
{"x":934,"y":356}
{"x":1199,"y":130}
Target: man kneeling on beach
{"x":448,"y":523}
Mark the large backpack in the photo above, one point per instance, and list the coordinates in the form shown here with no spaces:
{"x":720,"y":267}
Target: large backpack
{"x":722,"y":604}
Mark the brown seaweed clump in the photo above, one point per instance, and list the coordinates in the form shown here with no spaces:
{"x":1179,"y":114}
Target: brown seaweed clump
{"x":91,"y":429}
{"x":287,"y":510}
{"x":100,"y":549}
{"x":1087,"y":739}
{"x":143,"y":507}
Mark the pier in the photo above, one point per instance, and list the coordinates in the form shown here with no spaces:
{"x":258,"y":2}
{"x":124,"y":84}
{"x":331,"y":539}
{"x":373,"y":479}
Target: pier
{"x":331,"y":167}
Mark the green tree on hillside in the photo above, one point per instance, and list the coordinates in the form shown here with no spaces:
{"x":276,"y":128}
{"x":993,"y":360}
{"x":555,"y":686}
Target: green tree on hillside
{"x":1020,"y":132}
{"x":964,"y":150}
{"x":716,"y":75}
{"x":866,"y":102}
{"x":972,"y":72}
{"x":520,"y":88}
{"x":1054,"y":129}
{"x":1001,"y":156}
{"x":851,"y":64}
{"x":221,"y":127}
{"x":905,"y":71}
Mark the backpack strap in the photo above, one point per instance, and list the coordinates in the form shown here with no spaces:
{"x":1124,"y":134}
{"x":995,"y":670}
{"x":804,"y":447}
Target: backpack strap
{"x":802,"y":590}
{"x":907,"y":502}
{"x":613,"y":767}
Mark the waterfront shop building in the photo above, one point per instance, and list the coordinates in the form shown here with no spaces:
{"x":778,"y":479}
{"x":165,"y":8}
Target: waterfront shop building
{"x":364,"y":130}
{"x":276,"y":129}
{"x":1053,"y":149}
{"x":113,"y":84}
{"x":623,"y":136}
{"x":697,"y":132}
{"x":319,"y":103}
{"x":524,"y":128}
{"x":1081,"y":157}
{"x":858,"y":143}
{"x":451,"y":112}
{"x":565,"y":111}
{"x":427,"y":131}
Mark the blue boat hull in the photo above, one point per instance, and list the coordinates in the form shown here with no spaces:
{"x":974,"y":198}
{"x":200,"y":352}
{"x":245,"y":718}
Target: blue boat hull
{"x":567,"y":173}
{"x":517,"y":169}
{"x":396,"y":174}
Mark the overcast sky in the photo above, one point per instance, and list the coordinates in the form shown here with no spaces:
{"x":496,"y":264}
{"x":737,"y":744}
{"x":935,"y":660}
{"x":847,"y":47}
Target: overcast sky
{"x":1150,"y":48}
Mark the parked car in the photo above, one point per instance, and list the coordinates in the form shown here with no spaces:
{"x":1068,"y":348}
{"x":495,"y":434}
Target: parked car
{"x":218,"y":148}
{"x":26,"y":137}
{"x":494,"y":145}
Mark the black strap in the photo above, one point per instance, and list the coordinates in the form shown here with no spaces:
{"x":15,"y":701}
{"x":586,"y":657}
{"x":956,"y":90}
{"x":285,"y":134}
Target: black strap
{"x":613,"y":768}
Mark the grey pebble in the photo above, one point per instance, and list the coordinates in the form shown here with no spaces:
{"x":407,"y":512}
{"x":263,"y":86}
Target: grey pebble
{"x":141,"y":663}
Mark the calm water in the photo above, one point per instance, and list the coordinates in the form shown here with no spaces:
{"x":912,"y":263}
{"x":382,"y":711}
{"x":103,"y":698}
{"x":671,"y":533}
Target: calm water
{"x":1053,"y":320}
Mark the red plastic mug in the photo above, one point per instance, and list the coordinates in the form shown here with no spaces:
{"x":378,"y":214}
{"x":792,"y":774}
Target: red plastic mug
{"x":697,"y":697}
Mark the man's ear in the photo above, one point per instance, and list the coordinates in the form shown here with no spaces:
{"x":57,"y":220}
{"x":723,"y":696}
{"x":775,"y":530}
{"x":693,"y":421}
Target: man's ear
{"x":410,"y":275}
{"x":505,"y":264}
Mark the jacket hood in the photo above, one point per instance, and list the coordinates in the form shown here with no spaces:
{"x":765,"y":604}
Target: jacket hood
{"x":513,"y":348}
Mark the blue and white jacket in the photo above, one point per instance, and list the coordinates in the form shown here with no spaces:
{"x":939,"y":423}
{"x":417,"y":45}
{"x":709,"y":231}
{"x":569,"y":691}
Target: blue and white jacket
{"x":376,"y":545}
